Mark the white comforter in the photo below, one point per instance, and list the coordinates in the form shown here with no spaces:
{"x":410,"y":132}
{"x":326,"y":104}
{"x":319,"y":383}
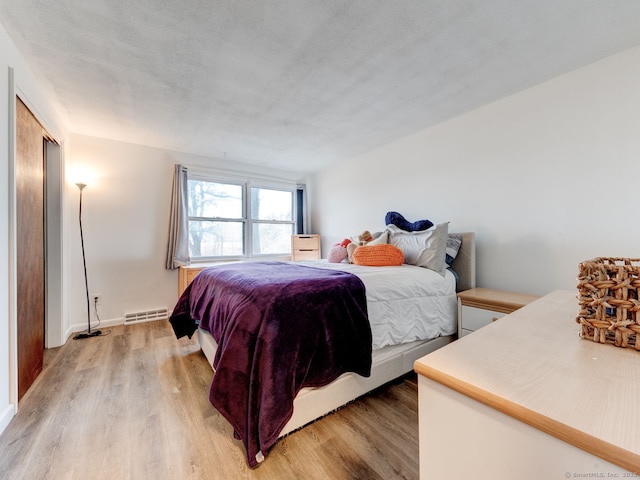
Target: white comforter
{"x":405,"y":303}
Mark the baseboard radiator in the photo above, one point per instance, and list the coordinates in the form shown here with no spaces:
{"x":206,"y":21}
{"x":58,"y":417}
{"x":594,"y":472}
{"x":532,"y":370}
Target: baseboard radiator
{"x":146,"y":316}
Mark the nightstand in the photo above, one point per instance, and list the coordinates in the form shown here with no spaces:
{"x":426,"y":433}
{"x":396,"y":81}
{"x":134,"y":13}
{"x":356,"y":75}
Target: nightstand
{"x":305,"y":247}
{"x":186,"y":274}
{"x":481,"y":306}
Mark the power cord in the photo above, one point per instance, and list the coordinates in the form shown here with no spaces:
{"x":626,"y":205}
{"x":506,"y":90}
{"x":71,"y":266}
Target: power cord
{"x":95,"y":309}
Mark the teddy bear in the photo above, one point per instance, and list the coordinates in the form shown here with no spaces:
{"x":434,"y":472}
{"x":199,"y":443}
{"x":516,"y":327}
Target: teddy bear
{"x":364,"y":238}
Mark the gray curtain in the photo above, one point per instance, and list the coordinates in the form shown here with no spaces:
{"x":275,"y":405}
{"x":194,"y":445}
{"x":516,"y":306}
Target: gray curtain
{"x":178,"y":248}
{"x":301,"y":209}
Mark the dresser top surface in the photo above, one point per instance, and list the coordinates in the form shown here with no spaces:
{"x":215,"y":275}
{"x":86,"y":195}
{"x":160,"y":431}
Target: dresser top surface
{"x":534,"y":366}
{"x":497,"y":299}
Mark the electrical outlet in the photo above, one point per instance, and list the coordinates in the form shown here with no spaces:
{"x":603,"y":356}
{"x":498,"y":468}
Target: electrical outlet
{"x":97,"y":298}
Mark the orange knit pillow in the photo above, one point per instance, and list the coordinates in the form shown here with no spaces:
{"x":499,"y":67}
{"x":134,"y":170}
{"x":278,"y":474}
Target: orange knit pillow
{"x":381,"y":255}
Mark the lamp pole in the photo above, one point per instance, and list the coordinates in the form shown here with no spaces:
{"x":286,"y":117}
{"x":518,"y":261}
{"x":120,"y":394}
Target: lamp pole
{"x":88,"y":333}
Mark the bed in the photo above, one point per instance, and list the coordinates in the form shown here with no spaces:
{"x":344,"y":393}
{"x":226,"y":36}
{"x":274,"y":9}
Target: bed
{"x":392,"y":351}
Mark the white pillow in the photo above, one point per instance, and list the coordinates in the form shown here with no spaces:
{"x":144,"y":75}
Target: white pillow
{"x":426,"y":248}
{"x":384,"y":238}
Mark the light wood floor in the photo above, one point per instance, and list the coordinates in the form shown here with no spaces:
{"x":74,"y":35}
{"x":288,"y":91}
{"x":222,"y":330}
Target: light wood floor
{"x":134,"y":405}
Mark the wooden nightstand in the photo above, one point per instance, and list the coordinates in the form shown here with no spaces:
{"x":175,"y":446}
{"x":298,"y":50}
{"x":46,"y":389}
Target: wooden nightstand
{"x":305,"y":247}
{"x":481,"y":306}
{"x":187,"y":274}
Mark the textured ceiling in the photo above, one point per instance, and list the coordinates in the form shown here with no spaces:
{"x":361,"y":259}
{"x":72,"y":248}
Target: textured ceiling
{"x":298,"y":84}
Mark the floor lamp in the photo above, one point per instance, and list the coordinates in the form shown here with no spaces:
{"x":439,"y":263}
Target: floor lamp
{"x":88,"y":333}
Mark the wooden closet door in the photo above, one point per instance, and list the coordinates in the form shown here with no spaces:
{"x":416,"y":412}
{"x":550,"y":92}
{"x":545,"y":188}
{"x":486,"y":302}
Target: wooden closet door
{"x":30,"y":248}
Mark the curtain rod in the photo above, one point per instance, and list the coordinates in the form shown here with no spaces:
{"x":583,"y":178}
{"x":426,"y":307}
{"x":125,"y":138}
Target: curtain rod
{"x":237,"y":175}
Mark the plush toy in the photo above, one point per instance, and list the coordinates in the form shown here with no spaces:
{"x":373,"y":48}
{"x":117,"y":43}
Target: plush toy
{"x":394,"y":218}
{"x":338,"y":253}
{"x":379,"y":255}
{"x":350,"y":249}
{"x":345,"y":242}
{"x":366,"y":238}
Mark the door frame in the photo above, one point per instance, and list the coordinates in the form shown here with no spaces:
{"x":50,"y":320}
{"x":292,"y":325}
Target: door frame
{"x":55,"y":277}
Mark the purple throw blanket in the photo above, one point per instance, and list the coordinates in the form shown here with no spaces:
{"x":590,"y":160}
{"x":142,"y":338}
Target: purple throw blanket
{"x":279,"y":327}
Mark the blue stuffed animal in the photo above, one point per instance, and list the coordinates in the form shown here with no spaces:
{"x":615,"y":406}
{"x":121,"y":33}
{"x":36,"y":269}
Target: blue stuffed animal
{"x":394,"y":218}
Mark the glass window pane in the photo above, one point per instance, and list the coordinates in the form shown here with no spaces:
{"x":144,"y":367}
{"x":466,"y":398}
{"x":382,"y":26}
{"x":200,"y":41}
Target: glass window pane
{"x":214,"y":200}
{"x":272,"y":238}
{"x":271,"y":204}
{"x":215,"y":239}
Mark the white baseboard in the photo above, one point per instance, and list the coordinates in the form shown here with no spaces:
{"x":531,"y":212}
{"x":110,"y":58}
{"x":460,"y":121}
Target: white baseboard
{"x":67,"y":333}
{"x":113,"y":322}
{"x":107,"y":323}
{"x":8,"y":413}
{"x":79,"y":327}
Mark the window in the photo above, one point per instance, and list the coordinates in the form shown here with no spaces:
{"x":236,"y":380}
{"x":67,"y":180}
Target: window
{"x":239,"y":219}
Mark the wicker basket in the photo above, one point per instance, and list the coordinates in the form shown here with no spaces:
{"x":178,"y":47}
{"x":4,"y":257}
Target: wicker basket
{"x":608,"y":301}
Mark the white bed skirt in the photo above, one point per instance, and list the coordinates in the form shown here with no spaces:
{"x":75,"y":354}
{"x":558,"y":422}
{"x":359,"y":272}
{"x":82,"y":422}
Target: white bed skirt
{"x":310,"y":404}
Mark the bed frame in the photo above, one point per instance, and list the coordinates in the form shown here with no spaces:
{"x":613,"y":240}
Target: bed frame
{"x":388,"y":363}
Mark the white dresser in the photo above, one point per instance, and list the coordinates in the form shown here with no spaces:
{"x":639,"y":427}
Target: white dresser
{"x":527,"y":398}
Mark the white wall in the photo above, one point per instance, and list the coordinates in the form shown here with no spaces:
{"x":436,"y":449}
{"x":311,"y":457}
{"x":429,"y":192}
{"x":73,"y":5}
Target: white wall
{"x":125,"y":224}
{"x":33,"y":95}
{"x":547,"y":178}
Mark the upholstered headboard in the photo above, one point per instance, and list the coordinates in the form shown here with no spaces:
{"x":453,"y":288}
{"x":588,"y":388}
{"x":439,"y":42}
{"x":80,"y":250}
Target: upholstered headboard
{"x":465,"y":262}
